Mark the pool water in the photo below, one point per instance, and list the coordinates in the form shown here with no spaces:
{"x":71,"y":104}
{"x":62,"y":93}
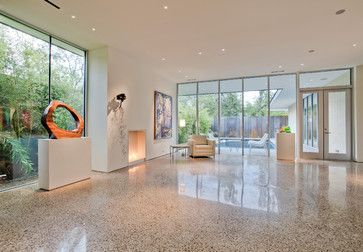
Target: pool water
{"x":238,"y":144}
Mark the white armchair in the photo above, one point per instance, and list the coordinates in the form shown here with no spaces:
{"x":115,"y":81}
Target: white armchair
{"x":200,"y":146}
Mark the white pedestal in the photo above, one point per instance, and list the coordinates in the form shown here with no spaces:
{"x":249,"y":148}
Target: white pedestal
{"x":285,"y":146}
{"x":63,"y":161}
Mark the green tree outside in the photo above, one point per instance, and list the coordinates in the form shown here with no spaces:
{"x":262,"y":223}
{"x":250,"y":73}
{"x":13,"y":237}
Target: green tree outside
{"x":24,"y":79}
{"x":231,"y":106}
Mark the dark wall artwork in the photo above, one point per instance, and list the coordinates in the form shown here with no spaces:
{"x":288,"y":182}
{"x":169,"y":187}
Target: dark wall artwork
{"x":163,"y":116}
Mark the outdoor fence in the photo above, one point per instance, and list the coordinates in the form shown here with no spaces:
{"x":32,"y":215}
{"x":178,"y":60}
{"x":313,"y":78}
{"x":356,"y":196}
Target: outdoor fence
{"x":254,"y":127}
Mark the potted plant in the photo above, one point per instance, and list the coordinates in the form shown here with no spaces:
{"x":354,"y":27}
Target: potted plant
{"x":285,"y":144}
{"x":285,"y":129}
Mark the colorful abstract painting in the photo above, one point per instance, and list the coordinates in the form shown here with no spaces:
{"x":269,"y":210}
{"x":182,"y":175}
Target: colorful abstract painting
{"x":163,"y":115}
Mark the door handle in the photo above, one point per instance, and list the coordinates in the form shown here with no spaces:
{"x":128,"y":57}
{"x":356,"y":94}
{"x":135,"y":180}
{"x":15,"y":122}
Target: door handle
{"x":326,"y":131}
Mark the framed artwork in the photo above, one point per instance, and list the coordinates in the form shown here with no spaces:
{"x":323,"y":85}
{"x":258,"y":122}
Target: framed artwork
{"x":163,"y":115}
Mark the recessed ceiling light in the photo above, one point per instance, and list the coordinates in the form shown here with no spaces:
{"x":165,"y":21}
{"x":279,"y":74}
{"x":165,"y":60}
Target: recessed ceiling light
{"x":186,"y":76}
{"x":180,"y":71}
{"x":302,"y":64}
{"x":311,"y":51}
{"x":341,"y":11}
{"x":165,"y":7}
{"x":354,"y":45}
{"x":200,"y":53}
{"x":73,"y":16}
{"x":280,"y":66}
{"x":93,"y":29}
{"x":163,"y":59}
{"x":311,"y":79}
{"x":223,"y":49}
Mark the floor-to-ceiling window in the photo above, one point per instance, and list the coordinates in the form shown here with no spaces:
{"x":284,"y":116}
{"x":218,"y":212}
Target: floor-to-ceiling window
{"x":187,"y":111}
{"x":256,"y":107}
{"x":231,"y":116}
{"x":248,"y":112}
{"x":67,"y":80}
{"x":242,"y":115}
{"x":208,"y":109}
{"x":31,"y":64}
{"x":282,"y":106}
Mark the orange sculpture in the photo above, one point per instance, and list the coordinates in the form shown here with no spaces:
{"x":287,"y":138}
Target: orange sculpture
{"x":54,"y":131}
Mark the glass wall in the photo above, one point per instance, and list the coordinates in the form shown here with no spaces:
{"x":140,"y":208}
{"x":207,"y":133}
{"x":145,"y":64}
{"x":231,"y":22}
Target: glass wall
{"x":242,"y":115}
{"x":231,"y":116}
{"x":208,"y":109}
{"x":247,"y":112}
{"x":282,"y":106}
{"x":67,"y":81}
{"x":187,"y":111}
{"x":256,"y":106}
{"x":25,"y":81}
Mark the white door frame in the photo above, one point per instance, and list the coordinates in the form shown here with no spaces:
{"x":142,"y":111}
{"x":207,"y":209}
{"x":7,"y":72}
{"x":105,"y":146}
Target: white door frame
{"x":323,"y":108}
{"x":348,"y":126}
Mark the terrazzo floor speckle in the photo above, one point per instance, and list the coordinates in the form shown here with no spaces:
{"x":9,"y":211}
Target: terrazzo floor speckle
{"x":227,"y":204}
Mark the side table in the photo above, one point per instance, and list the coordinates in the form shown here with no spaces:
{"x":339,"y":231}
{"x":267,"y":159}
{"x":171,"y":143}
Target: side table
{"x":178,"y":147}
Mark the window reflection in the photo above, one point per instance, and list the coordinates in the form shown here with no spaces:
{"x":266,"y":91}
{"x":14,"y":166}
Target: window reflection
{"x":75,"y":240}
{"x":308,"y":188}
{"x":246,"y":188}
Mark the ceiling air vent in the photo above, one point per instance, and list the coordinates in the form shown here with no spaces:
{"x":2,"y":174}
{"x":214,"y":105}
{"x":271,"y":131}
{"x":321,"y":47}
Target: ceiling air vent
{"x":52,"y":4}
{"x":278,"y":71}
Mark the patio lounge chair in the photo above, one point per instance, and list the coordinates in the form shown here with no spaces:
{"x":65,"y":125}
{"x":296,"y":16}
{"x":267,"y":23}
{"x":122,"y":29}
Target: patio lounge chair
{"x":262,"y":143}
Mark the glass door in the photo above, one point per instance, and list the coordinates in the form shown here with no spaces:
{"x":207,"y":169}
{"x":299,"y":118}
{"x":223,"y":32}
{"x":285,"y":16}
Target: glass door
{"x":337,"y":124}
{"x":326,"y":124}
{"x":311,"y":120}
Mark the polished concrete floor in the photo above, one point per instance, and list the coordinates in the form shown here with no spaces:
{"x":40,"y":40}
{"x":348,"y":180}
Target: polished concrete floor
{"x":227,"y":204}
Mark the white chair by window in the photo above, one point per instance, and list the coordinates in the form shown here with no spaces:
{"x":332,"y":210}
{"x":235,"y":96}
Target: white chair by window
{"x":262,"y":143}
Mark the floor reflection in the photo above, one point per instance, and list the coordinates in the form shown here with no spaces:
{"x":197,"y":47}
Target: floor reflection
{"x":248,"y":186}
{"x":268,"y":186}
{"x":75,"y":240}
{"x":163,"y":204}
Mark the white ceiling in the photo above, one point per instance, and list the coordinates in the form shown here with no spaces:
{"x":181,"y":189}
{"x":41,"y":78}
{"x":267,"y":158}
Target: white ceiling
{"x":258,"y":35}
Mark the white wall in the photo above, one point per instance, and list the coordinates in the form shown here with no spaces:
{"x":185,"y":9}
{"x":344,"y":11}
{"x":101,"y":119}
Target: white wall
{"x":138,"y":80}
{"x":358,"y":113}
{"x":97,"y":107}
